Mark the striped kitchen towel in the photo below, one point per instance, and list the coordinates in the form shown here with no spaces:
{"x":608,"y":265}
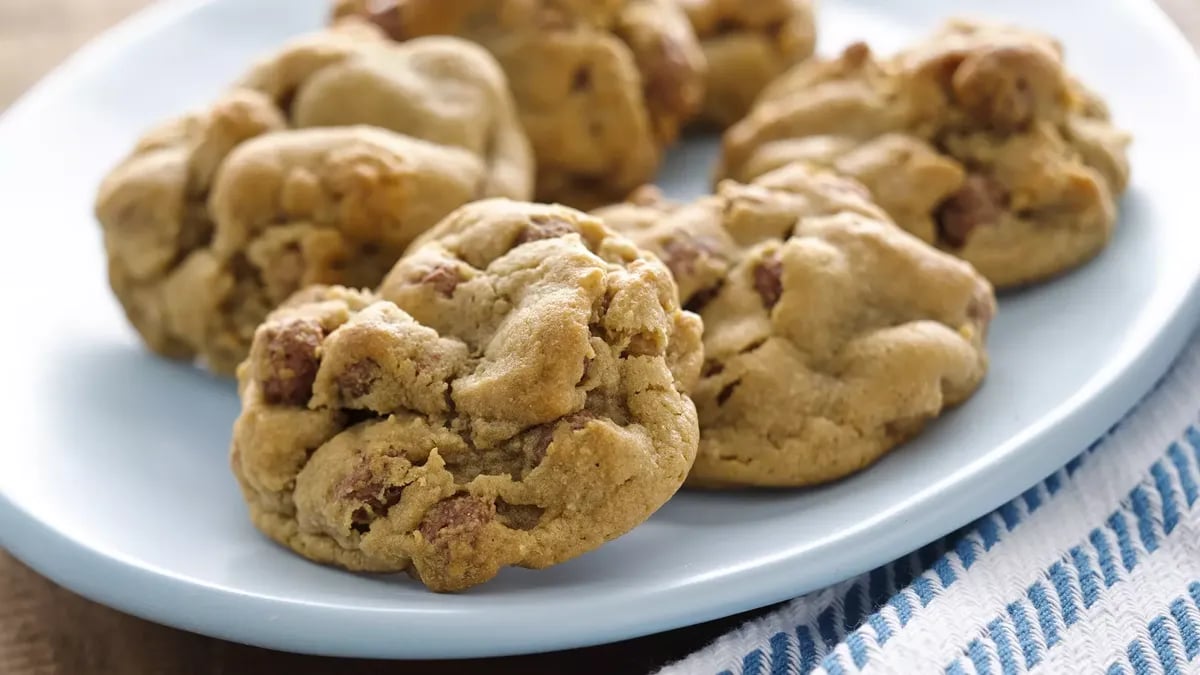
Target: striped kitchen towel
{"x":1094,"y":570}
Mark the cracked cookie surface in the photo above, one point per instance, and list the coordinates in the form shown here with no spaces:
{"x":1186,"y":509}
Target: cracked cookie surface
{"x":976,"y":140}
{"x":217,"y":216}
{"x":601,"y":87}
{"x":830,"y":335}
{"x":746,"y":45}
{"x":513,"y":395}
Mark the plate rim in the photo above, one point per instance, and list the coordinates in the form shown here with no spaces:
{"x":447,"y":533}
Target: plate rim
{"x":155,"y":594}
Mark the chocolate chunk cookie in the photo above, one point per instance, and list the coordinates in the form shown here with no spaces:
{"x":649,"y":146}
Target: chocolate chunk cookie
{"x":747,"y":44}
{"x":513,"y":396}
{"x":443,"y":90}
{"x":976,"y":140}
{"x":218,"y":216}
{"x":830,"y":335}
{"x":601,"y":87}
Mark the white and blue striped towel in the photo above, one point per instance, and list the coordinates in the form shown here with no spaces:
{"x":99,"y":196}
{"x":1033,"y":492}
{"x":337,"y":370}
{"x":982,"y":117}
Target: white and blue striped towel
{"x":1094,"y":570}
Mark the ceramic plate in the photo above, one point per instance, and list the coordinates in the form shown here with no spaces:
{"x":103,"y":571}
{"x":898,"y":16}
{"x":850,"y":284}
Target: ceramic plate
{"x":113,"y":473}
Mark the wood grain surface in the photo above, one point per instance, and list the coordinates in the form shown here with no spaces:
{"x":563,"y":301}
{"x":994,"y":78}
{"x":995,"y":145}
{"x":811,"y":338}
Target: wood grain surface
{"x":46,"y":630}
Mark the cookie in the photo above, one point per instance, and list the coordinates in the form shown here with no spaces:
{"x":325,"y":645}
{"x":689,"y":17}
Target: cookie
{"x":977,"y":140}
{"x":514,"y":395}
{"x":830,"y":335}
{"x":443,"y":90}
{"x":218,"y":216}
{"x":746,"y":45}
{"x":601,"y":87}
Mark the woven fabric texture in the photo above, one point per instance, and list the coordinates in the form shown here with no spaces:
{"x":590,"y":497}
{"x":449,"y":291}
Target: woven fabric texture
{"x":1094,"y":570}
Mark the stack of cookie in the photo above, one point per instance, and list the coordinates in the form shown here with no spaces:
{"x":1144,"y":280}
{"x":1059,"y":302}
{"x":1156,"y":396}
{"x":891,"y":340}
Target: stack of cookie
{"x":440,"y":376}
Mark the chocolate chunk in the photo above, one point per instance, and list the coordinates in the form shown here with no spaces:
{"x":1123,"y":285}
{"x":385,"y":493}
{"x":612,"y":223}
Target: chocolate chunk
{"x":544,"y":434}
{"x":726,"y":25}
{"x":291,"y":361}
{"x":856,"y":54}
{"x":581,"y":80}
{"x":391,"y":496}
{"x":360,"y":485}
{"x":980,"y":201}
{"x":386,"y":15}
{"x":543,"y":227}
{"x":727,"y":391}
{"x":459,"y":514}
{"x":375,"y":507}
{"x":541,"y":443}
{"x":701,"y":298}
{"x":287,"y":102}
{"x":768,"y":280}
{"x":376,"y":501}
{"x":357,"y":484}
{"x":681,"y":254}
{"x":579,"y":420}
{"x":443,"y":278}
{"x":358,"y":378}
{"x":662,"y":72}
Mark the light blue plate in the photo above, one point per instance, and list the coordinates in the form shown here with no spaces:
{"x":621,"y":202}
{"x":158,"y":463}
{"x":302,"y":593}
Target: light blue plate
{"x":113,"y":467}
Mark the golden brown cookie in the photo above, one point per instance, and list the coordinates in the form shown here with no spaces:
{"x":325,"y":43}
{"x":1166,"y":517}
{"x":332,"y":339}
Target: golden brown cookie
{"x":439,"y":89}
{"x":976,"y":140}
{"x":831,"y":335}
{"x":514,"y":396}
{"x":601,"y":87}
{"x":747,"y":44}
{"x":219,"y":215}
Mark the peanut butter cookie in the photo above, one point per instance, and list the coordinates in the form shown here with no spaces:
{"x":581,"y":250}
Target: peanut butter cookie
{"x":601,"y":87}
{"x":218,"y":216}
{"x":831,"y":335}
{"x":514,"y":395}
{"x":976,"y":140}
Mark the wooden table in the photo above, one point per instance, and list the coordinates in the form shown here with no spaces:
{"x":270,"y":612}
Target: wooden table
{"x":45,"y":629}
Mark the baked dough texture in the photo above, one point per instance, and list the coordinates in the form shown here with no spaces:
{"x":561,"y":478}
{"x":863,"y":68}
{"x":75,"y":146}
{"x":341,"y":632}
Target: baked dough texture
{"x":746,"y":45}
{"x":602,"y":87}
{"x":513,"y":395}
{"x":831,"y":336}
{"x":219,"y":215}
{"x":976,"y":139}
